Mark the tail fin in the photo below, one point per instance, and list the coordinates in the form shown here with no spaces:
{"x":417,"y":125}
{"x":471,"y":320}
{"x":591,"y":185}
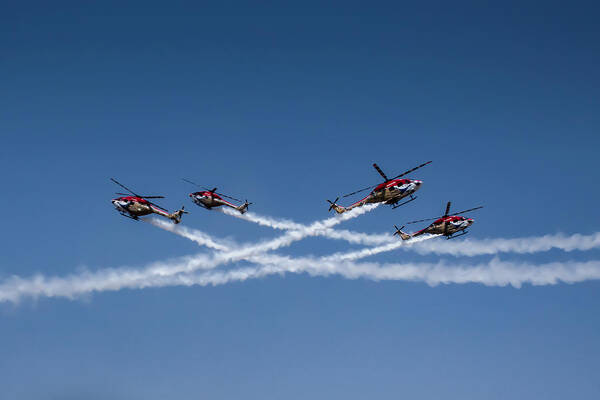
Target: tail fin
{"x":244,"y":207}
{"x":176,"y":216}
{"x":404,"y":236}
{"x":339,"y":209}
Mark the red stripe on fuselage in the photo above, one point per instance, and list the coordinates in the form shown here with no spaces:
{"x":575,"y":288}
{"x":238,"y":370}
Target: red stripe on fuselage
{"x":393,"y":182}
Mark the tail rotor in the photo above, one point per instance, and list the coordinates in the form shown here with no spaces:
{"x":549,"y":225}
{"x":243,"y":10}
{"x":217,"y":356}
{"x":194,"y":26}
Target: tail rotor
{"x":403,"y":236}
{"x":333,"y":203}
{"x":398,"y":231}
{"x":244,"y":207}
{"x":176,"y":216}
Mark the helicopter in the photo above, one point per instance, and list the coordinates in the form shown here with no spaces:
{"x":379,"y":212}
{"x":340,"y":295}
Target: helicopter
{"x":446,"y":225}
{"x":391,"y":191}
{"x":209,"y":198}
{"x":133,"y":205}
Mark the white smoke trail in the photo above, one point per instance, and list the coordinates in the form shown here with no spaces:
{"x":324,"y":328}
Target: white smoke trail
{"x":492,"y":273}
{"x":371,"y":251}
{"x":195,"y":235}
{"x":284,"y":224}
{"x":524,"y":245}
{"x":281,"y":224}
{"x":111,"y":279}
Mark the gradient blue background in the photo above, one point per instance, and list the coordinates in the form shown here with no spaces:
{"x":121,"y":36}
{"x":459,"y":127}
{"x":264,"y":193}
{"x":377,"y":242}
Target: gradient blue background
{"x":288,"y":106}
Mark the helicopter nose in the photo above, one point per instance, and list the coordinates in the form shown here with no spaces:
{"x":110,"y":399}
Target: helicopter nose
{"x":470,"y":221}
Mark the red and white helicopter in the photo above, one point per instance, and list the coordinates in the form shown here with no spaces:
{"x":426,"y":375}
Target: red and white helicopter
{"x":391,"y":191}
{"x":209,"y":198}
{"x":447,"y":225}
{"x":134,"y":206}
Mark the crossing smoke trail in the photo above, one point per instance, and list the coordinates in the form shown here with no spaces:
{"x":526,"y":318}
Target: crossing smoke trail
{"x":249,"y":252}
{"x":115,"y":279}
{"x":203,"y":239}
{"x":243,"y":252}
{"x":291,"y":236}
{"x":467,"y":247}
{"x":284,"y":224}
{"x":231,"y":254}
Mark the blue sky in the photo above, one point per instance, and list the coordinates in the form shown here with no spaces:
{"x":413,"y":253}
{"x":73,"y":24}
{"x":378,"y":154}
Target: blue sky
{"x":289,"y":106}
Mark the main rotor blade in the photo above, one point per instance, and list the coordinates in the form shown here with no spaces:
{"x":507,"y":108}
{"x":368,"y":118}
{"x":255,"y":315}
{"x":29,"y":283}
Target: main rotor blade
{"x":470,"y":209}
{"x":213,"y":190}
{"x":143,"y":197}
{"x":422,"y":220}
{"x":229,"y":197}
{"x":380,"y":172}
{"x":188,"y":181}
{"x":411,"y":170}
{"x":156,"y":205}
{"x":125,"y":187}
{"x":358,"y":191}
{"x":447,"y":209}
{"x":457,"y":213}
{"x":385,"y":177}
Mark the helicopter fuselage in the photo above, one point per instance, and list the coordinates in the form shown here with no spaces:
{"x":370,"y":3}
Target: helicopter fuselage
{"x":390,"y":192}
{"x":447,"y":226}
{"x":135,"y":207}
{"x":210,"y":200}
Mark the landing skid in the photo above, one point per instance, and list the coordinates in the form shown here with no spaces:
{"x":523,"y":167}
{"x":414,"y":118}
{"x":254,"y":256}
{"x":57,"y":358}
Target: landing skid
{"x":129,"y":216}
{"x":412,"y":198}
{"x":455,"y":236}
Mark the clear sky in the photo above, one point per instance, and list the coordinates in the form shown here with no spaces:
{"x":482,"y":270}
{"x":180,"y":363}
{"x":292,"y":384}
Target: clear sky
{"x":289,"y":106}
